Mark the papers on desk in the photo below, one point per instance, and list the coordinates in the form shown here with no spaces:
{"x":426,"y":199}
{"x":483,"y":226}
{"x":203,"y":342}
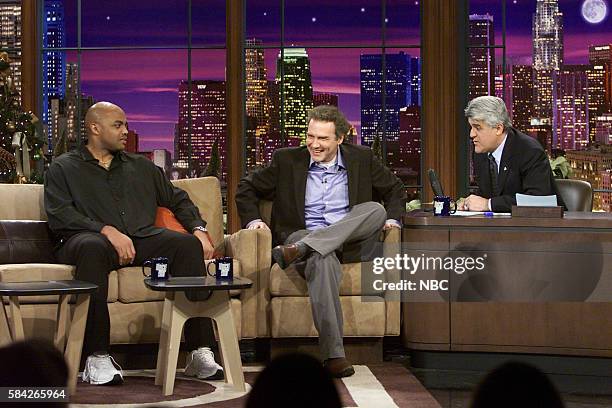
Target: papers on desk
{"x":472,"y":213}
{"x":523,"y":200}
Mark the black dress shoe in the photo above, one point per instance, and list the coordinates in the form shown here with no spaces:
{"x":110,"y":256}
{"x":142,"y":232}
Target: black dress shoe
{"x":285,"y":255}
{"x":339,"y":367}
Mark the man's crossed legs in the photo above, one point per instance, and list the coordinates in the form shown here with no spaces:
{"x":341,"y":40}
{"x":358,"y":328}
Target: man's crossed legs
{"x":314,"y":254}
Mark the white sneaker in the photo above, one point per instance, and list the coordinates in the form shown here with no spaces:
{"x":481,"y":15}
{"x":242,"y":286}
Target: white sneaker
{"x":101,"y":370}
{"x":201,"y":363}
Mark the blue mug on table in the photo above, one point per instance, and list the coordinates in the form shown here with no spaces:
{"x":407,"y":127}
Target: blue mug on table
{"x":159,"y":268}
{"x":224,"y":268}
{"x":442,"y":206}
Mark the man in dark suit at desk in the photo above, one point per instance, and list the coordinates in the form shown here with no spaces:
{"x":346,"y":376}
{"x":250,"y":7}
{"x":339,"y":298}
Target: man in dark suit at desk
{"x":506,"y":161}
{"x":325,"y":199}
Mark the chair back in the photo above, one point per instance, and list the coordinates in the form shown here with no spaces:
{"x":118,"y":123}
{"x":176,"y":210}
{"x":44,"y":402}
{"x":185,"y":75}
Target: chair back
{"x":205,"y":192}
{"x":577,"y":194}
{"x":22,"y":202}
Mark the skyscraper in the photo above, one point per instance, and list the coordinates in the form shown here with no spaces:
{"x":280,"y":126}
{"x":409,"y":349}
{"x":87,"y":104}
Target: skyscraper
{"x":257,"y":108}
{"x":323,"y":98}
{"x":547,"y":25}
{"x":482,"y":59}
{"x":208,"y":124}
{"x":67,"y":118}
{"x":273,"y":141}
{"x":596,"y":77}
{"x":603,"y":129}
{"x":10,"y":38}
{"x":294,"y":77}
{"x":522,"y":96}
{"x":415,"y":81}
{"x":54,"y":62}
{"x":570,"y":117}
{"x":410,"y":144}
{"x":602,"y":55}
{"x":397,"y":95}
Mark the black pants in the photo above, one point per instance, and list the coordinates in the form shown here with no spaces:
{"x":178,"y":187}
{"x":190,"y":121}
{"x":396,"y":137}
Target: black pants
{"x":95,"y":257}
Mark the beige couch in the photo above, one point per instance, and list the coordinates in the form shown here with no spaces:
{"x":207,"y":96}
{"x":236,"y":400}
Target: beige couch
{"x":135,"y":311}
{"x":286,"y":308}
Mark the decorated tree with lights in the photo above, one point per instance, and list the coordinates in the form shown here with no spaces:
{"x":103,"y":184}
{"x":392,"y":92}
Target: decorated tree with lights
{"x":21,"y":136}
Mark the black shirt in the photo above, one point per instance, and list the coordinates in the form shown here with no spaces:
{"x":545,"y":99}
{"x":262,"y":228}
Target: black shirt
{"x":80,"y":195}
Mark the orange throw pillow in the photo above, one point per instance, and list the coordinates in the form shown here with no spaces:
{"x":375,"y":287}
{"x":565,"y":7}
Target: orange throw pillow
{"x":164,"y":218}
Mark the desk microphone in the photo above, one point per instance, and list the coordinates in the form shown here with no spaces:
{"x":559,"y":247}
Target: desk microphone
{"x":435,"y":183}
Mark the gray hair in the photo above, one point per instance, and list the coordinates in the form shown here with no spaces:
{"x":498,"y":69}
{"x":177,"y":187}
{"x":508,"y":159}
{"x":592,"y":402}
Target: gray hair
{"x":489,"y":109}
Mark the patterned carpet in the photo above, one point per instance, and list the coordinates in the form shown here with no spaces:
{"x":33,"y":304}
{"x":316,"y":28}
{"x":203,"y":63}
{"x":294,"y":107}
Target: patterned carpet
{"x":381,"y":385}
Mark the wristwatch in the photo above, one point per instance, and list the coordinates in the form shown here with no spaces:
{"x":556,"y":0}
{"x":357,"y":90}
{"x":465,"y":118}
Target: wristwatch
{"x":199,"y":228}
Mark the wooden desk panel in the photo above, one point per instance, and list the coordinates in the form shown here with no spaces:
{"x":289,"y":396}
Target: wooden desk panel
{"x":580,"y":242}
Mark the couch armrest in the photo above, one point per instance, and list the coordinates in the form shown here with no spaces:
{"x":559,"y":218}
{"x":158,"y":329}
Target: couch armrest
{"x":253,"y":249}
{"x":392,"y":247}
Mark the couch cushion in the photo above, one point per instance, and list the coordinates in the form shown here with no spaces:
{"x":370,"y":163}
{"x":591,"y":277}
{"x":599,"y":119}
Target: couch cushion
{"x":292,"y":317}
{"x":132,"y":288}
{"x":289,"y":282}
{"x":25,"y":242}
{"x":43,"y":272}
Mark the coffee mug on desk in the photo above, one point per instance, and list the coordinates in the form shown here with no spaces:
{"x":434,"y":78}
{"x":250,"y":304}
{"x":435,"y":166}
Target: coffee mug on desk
{"x":442,"y":206}
{"x":224,"y":268}
{"x":159,"y":268}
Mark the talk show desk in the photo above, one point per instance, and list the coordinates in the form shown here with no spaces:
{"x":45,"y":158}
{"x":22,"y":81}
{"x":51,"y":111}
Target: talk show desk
{"x":580,"y":243}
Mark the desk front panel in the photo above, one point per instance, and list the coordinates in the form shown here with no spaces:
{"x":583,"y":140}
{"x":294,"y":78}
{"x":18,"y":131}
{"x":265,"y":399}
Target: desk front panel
{"x":574,"y":248}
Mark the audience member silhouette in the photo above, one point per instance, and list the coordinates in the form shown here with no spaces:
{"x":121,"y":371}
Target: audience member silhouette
{"x":33,"y":363}
{"x":516,"y":384}
{"x":295,"y":380}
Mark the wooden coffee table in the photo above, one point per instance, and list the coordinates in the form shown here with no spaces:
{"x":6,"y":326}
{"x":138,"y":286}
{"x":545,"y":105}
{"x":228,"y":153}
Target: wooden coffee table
{"x":177,"y":309}
{"x":73,"y":335}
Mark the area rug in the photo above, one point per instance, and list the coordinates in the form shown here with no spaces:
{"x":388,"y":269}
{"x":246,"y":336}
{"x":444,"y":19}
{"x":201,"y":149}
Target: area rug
{"x":380,"y":385}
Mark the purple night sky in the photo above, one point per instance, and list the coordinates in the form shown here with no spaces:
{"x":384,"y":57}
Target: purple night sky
{"x":145,"y":82}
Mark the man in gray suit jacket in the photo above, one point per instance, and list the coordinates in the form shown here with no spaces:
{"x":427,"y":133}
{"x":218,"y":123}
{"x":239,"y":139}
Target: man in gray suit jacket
{"x":325,"y":203}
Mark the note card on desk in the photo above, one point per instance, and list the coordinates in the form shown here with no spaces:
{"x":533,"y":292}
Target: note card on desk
{"x":523,"y":200}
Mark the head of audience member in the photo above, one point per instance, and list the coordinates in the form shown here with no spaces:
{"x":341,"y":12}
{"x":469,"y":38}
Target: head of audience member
{"x":327,"y":128}
{"x":294,"y":380}
{"x":33,"y":363}
{"x":106,"y":127}
{"x":515,"y":384}
{"x":489,"y":121}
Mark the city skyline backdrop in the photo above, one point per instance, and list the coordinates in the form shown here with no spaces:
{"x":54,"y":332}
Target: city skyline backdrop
{"x":146,"y":82}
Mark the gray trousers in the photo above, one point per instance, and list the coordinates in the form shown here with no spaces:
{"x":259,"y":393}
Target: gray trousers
{"x":323,"y":272}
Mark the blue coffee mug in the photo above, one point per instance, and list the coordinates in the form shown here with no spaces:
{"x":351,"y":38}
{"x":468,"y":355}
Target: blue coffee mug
{"x":159,"y":268}
{"x":224,"y":268}
{"x":442,"y":206}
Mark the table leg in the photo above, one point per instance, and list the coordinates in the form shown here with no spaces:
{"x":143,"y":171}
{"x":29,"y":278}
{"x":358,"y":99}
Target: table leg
{"x":61,"y":325}
{"x":16,"y":320}
{"x":162,"y":357}
{"x":75,"y":340}
{"x":228,"y":339}
{"x":5,"y":331}
{"x":173,"y":342}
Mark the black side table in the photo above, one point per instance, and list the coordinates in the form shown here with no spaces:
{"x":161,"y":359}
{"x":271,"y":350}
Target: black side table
{"x":177,"y":309}
{"x":74,"y":334}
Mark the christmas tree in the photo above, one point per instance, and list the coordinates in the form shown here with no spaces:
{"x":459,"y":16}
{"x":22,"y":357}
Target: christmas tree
{"x":21,"y":136}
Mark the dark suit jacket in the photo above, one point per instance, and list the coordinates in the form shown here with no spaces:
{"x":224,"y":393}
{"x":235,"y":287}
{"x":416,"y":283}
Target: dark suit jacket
{"x":524,"y":169}
{"x":284,"y":183}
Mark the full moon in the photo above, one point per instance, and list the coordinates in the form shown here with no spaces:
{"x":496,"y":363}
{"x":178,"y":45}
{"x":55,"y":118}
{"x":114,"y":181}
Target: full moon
{"x":594,"y":11}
